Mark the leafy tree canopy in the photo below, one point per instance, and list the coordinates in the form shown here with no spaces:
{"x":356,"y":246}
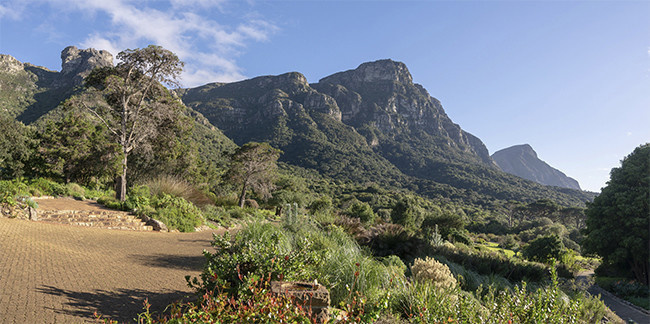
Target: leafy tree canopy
{"x":135,"y":103}
{"x":618,"y":219}
{"x":254,"y":167}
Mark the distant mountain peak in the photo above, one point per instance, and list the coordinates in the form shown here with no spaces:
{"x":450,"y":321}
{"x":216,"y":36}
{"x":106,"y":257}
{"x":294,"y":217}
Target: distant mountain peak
{"x":522,"y":161}
{"x":76,"y":63}
{"x":381,"y":70}
{"x":525,"y":149}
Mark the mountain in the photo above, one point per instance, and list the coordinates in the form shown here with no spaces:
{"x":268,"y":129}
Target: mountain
{"x":33,"y":95}
{"x":522,"y":161}
{"x":369,"y":124}
{"x":28,"y":92}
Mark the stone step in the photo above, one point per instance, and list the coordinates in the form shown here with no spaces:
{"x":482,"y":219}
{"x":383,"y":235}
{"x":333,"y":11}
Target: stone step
{"x":95,"y":218}
{"x":91,"y":219}
{"x":88,"y":215}
{"x":108,"y":225}
{"x":75,"y":212}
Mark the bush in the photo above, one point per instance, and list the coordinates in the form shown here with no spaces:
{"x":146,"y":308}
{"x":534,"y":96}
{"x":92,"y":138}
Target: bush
{"x":484,"y":262}
{"x":362,"y":211}
{"x":259,"y":250}
{"x":544,"y":249}
{"x":395,"y":262}
{"x":11,"y":189}
{"x":48,"y":187}
{"x":110,"y":202}
{"x":431,"y":270}
{"x":75,"y":190}
{"x":407,"y":213}
{"x":177,"y":213}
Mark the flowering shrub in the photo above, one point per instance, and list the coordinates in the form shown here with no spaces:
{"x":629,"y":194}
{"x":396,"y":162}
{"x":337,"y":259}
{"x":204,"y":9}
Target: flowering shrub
{"x":434,"y":271}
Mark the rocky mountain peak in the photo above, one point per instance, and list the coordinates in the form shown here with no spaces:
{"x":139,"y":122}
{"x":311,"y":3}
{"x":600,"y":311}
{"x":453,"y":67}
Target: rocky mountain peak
{"x":522,"y":161}
{"x":76,"y":63}
{"x":377,"y":71}
{"x":9,"y":64}
{"x":524,"y":149}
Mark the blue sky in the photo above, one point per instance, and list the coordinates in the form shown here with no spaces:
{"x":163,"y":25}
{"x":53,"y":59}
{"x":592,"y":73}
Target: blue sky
{"x":572,"y":79}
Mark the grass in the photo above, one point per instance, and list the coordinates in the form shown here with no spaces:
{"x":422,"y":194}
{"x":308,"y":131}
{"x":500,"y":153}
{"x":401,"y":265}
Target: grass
{"x":492,"y":246}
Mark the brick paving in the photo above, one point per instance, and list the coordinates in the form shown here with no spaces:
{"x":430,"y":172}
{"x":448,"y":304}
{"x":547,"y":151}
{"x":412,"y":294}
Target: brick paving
{"x":51,"y":273}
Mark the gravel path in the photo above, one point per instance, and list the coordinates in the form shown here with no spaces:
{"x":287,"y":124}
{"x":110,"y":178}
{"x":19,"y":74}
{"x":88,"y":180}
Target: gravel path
{"x":52,"y":273}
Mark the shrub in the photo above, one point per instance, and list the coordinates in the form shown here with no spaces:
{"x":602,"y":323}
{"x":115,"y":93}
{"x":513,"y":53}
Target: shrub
{"x":258,"y":250}
{"x":484,"y":262}
{"x":395,"y":262}
{"x":431,"y":270}
{"x":544,"y":249}
{"x":407,"y":213}
{"x":508,"y":242}
{"x":10,"y":190}
{"x":362,"y":211}
{"x":75,"y":190}
{"x":48,"y":187}
{"x":393,"y":239}
{"x":177,"y":213}
{"x":110,"y":202}
{"x":217,"y":215}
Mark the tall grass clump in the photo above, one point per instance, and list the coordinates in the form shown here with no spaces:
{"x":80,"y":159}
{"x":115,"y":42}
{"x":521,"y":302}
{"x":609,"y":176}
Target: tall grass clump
{"x":176,"y":186}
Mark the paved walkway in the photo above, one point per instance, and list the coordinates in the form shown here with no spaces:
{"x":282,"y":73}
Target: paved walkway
{"x":629,"y":314}
{"x":52,"y":273}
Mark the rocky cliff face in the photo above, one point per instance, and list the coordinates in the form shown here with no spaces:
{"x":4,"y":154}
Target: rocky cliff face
{"x":522,"y":161}
{"x":27,"y":91}
{"x":382,"y":95}
{"x":374,"y":112}
{"x":76,"y":64}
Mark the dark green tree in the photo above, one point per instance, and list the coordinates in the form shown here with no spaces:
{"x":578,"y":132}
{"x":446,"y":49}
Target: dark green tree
{"x":545,"y":248}
{"x":543,"y":208}
{"x":573,"y":216}
{"x":73,"y":148}
{"x":136,"y":101}
{"x":362,"y":211}
{"x":618,"y":220}
{"x":408,"y":213}
{"x":254,"y":167}
{"x":16,"y":148}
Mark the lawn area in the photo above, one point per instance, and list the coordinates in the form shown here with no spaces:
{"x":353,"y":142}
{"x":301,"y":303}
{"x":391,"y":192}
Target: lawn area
{"x":493,"y":246}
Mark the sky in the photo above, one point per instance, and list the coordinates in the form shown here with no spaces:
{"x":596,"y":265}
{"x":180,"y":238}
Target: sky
{"x":570,"y":78}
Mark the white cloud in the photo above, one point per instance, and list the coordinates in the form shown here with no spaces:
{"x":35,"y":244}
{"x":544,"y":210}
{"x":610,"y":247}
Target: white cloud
{"x":12,"y":9}
{"x":208,"y":48}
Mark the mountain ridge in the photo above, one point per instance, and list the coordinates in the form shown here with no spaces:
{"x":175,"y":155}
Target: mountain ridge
{"x":371,"y":124}
{"x":522,"y":161}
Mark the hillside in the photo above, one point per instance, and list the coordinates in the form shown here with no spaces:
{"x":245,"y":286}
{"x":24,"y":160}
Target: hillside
{"x":28,"y":92}
{"x":522,"y":161}
{"x":368,"y":124}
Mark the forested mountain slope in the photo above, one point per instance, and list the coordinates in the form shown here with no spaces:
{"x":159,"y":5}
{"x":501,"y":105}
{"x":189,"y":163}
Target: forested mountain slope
{"x":368,"y":124}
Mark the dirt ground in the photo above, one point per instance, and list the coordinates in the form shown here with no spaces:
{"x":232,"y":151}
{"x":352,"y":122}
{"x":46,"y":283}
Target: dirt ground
{"x":52,"y":273}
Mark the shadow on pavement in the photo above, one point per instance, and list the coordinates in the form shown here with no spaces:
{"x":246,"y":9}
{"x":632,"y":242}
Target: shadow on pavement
{"x":122,"y":305}
{"x":182,"y":262}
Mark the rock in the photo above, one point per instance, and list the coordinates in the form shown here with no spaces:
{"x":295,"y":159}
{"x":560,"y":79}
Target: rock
{"x":10,"y":65}
{"x":76,"y":64}
{"x":33,"y":214}
{"x":155,"y":224}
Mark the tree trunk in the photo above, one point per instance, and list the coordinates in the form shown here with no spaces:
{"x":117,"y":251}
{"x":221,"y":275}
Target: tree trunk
{"x":120,"y":194}
{"x":242,"y":196}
